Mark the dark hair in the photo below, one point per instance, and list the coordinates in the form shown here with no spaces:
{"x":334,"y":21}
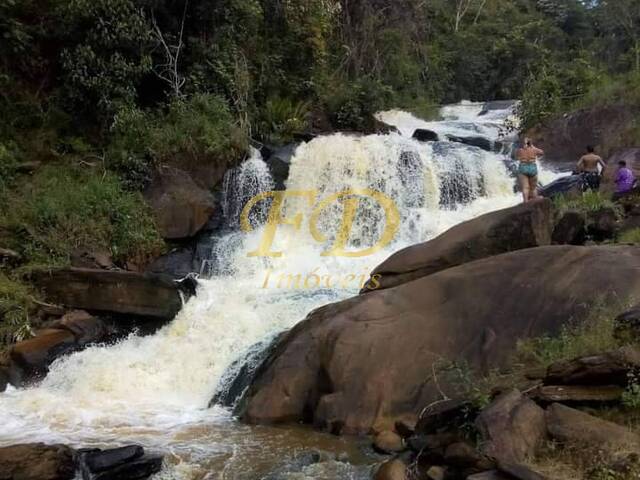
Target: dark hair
{"x":590,"y":149}
{"x":622,"y":163}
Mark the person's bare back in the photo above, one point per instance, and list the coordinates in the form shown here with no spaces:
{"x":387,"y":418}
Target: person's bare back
{"x":590,"y":162}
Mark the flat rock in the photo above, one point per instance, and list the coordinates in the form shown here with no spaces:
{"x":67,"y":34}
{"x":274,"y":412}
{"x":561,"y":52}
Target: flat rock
{"x":523,"y":226}
{"x":123,"y":292}
{"x":572,"y":426}
{"x":610,"y":368}
{"x":36,"y":461}
{"x":577,"y":393}
{"x":512,"y":427}
{"x":359,"y":365}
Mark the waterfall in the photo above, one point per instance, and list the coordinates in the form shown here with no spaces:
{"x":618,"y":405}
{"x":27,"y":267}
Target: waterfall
{"x":155,"y":390}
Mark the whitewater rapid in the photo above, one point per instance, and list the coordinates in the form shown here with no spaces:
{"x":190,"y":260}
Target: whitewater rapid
{"x":155,"y":390}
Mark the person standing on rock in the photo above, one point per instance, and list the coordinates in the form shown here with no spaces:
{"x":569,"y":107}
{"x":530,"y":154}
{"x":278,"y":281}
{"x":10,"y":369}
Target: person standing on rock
{"x":625,"y":180}
{"x":528,"y":170}
{"x":588,"y":168}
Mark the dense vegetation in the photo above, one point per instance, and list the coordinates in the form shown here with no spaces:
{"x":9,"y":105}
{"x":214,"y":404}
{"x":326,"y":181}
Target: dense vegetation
{"x":103,"y":92}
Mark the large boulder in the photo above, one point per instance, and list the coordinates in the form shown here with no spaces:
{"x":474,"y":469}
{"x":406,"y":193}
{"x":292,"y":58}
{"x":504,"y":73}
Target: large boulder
{"x":477,"y":141}
{"x":523,"y":226}
{"x":180,"y":206}
{"x":424,"y":135}
{"x":36,"y":461}
{"x":564,"y":138}
{"x":361,"y":364}
{"x":122,"y":292}
{"x":512,"y":427}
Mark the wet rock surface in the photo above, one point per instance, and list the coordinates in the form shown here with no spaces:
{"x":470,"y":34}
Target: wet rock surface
{"x":366,"y":362}
{"x":37,"y":461}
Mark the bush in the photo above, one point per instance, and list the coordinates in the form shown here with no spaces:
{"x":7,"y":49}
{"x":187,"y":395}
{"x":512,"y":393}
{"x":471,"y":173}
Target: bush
{"x":630,"y":236}
{"x":200,"y":130}
{"x":16,"y":303}
{"x":63,"y":208}
{"x":281,"y":118}
{"x":594,"y":335}
{"x":588,"y":202}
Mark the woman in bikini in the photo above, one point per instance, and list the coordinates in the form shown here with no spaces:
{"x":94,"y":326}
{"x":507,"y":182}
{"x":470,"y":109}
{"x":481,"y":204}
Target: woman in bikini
{"x":528,"y":170}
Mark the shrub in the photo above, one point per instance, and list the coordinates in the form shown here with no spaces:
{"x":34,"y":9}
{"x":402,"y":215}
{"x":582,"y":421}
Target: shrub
{"x":64,"y":208}
{"x":281,"y":118}
{"x":630,"y":236}
{"x":195,"y":131}
{"x":593,"y":335}
{"x":588,"y":202}
{"x":16,"y":303}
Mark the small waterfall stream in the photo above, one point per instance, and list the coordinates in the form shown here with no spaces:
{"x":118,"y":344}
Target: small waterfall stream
{"x":156,"y":390}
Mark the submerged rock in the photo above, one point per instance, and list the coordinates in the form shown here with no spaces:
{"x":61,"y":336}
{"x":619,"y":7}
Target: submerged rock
{"x":480,"y":142}
{"x":36,"y":461}
{"x":123,"y":463}
{"x":361,"y":364}
{"x":523,"y":226}
{"x":424,"y":135}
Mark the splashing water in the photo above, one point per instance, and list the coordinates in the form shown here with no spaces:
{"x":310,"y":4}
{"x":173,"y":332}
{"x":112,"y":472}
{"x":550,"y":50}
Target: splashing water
{"x":155,"y":390}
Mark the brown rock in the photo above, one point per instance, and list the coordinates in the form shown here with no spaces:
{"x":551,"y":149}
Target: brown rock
{"x":85,"y":327}
{"x":92,"y":259}
{"x":519,"y":472}
{"x":405,"y":427}
{"x":370,"y":360}
{"x":111,"y":291}
{"x":9,"y":255}
{"x":436,"y":473}
{"x":463,"y":456}
{"x":577,"y":393}
{"x":627,"y":325}
{"x":609,"y":368}
{"x":570,"y":229}
{"x":446,"y":414}
{"x":573,"y":426}
{"x":180,"y":206}
{"x":30,"y":359}
{"x":4,"y":379}
{"x":388,"y":442}
{"x":515,"y":228}
{"x":392,"y":470}
{"x":489,"y":475}
{"x":36,"y":462}
{"x":564,"y":139}
{"x":512,"y":427}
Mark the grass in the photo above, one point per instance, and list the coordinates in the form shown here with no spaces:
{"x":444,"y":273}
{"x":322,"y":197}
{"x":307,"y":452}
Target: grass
{"x":630,"y":236}
{"x":16,"y":304}
{"x":63,"y":208}
{"x":588,"y":202}
{"x":593,"y":335}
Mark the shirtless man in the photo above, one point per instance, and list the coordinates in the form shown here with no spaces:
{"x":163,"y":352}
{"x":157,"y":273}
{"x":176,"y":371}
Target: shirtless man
{"x":528,"y":170}
{"x":588,"y":167}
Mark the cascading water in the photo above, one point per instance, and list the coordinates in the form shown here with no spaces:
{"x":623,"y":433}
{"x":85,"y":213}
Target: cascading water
{"x":156,"y":390}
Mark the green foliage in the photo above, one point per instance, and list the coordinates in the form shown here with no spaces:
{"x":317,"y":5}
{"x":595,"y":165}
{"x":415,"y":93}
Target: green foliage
{"x":108,"y":53}
{"x":587,"y":203}
{"x":195,"y":131}
{"x":67,"y":208}
{"x":8,"y":165}
{"x":630,"y":236}
{"x":631,"y":395}
{"x":593,"y":335}
{"x":281,"y":118}
{"x":16,"y":303}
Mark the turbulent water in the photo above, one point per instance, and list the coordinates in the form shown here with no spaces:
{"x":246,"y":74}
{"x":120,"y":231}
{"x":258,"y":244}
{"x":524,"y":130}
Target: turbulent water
{"x":155,"y":390}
